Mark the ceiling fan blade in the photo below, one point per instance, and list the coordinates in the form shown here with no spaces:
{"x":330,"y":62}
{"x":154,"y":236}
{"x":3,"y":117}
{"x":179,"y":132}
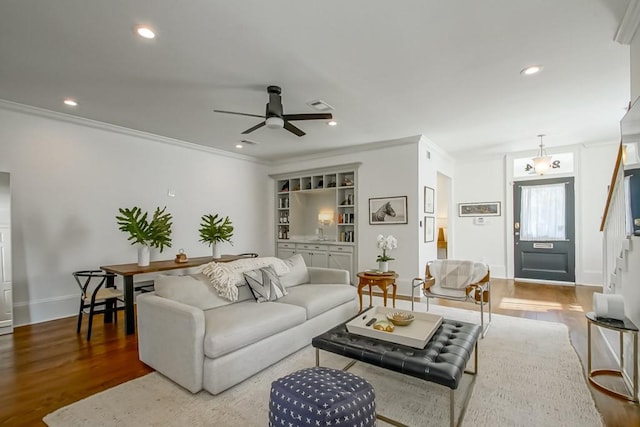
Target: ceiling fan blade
{"x":258,"y":126}
{"x":291,"y":128}
{"x":310,"y":116}
{"x":238,"y":114}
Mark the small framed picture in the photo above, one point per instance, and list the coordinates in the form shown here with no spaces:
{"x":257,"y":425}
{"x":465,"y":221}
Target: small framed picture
{"x":428,"y":199}
{"x":429,"y":229}
{"x":388,"y":210}
{"x":479,"y":209}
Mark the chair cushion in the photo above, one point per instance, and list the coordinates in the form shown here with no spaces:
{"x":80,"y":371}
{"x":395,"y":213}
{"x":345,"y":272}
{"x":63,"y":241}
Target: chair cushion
{"x":265,"y":284}
{"x":317,"y":299}
{"x":298,"y":273}
{"x":243,"y":323}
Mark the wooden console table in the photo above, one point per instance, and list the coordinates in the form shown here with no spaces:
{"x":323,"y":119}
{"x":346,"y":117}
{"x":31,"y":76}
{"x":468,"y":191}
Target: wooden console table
{"x":379,"y":279}
{"x":127,"y":271}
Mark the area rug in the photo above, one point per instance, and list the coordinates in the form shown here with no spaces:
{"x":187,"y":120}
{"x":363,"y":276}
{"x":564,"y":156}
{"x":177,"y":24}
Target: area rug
{"x":528,"y":375}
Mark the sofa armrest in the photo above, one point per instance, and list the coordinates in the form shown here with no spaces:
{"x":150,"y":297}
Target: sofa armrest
{"x":171,"y":339}
{"x":328,"y":275}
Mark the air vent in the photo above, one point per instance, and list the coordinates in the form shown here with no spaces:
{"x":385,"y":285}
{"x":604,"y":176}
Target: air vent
{"x":250,"y":142}
{"x":320,"y":105}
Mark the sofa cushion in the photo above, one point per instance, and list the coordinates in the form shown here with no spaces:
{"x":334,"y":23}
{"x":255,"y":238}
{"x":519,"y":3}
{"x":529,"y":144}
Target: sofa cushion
{"x":265,"y":284}
{"x":238,"y":325}
{"x":317,"y":299}
{"x":297,"y":274}
{"x":188,"y":290}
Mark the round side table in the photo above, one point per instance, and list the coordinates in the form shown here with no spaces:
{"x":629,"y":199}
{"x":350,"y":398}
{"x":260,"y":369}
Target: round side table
{"x":621,"y":326}
{"x":379,"y":279}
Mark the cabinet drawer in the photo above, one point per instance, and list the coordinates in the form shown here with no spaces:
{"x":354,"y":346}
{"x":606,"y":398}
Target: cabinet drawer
{"x":311,"y":247}
{"x":286,"y":246}
{"x":341,"y":249}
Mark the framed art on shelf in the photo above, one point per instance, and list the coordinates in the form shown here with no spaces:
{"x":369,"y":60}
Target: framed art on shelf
{"x":388,"y":210}
{"x":479,"y":209}
{"x":428,"y":199}
{"x":429,"y":228}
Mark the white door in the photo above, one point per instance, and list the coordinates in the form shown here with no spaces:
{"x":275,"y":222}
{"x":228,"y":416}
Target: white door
{"x":6,"y":300}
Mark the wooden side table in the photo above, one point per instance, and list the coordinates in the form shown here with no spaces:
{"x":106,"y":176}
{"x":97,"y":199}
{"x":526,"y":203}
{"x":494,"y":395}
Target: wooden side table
{"x":621,"y":326}
{"x":379,"y":279}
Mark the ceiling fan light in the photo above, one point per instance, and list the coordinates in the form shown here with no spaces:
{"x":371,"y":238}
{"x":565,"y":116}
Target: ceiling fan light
{"x":275,"y":122}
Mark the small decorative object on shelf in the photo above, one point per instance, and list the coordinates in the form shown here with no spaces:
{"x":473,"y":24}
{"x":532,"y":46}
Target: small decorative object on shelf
{"x":181,"y":256}
{"x":347,"y":182}
{"x":385,"y":243}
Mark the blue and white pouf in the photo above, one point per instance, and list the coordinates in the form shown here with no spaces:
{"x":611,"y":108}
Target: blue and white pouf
{"x":321,"y":397}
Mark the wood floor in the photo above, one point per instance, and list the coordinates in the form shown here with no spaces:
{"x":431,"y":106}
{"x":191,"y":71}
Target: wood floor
{"x":46,"y":366}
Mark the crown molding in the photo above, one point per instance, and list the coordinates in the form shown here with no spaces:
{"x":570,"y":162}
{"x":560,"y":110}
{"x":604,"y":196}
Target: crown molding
{"x":377,"y":145}
{"x":629,"y":23}
{"x":81,"y":121}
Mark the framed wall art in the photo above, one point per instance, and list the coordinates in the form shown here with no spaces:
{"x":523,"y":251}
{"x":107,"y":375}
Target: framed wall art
{"x":479,"y":209}
{"x":429,"y":229}
{"x":388,"y":210}
{"x":428,"y":199}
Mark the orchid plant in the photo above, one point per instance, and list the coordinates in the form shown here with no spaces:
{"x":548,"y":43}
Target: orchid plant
{"x":386,"y":244}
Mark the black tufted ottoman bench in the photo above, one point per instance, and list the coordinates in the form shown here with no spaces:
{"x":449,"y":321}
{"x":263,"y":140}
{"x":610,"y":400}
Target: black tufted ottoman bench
{"x":442,"y":361}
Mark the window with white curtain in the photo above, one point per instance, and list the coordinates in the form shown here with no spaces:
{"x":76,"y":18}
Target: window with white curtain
{"x":542,"y":212}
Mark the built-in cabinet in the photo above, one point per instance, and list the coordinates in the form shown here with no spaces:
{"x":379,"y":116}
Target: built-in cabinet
{"x":316,"y":216}
{"x":325,"y":254}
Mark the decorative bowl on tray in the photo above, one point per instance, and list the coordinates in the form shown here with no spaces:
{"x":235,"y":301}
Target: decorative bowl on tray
{"x":400,"y":318}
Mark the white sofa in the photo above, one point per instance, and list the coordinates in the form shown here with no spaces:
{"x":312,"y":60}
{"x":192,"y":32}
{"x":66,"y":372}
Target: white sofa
{"x":202,"y":341}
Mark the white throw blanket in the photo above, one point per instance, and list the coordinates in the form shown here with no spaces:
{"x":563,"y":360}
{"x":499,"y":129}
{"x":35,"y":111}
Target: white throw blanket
{"x":458,"y":274}
{"x":225,"y":277}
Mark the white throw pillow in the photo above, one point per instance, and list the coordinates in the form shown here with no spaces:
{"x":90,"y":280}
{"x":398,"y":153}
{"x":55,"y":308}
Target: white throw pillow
{"x":191,"y":290}
{"x":298,"y":273}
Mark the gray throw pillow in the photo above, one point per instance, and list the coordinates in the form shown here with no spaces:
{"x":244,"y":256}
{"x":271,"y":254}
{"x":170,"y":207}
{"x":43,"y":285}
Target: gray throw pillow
{"x":265,"y":284}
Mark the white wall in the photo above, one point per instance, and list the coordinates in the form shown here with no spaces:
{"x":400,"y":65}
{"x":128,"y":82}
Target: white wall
{"x":479,"y":180}
{"x":596,"y":168}
{"x":68,"y":181}
{"x":635,"y":67}
{"x":493,"y":242}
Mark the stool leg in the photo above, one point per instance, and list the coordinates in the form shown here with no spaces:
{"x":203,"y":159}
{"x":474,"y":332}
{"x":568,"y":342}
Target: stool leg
{"x":395,"y":289}
{"x":370,"y":297}
{"x":384,"y":294}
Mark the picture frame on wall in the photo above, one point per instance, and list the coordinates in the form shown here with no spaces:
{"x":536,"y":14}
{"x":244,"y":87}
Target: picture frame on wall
{"x":429,"y":229}
{"x":479,"y":209}
{"x":388,"y":210}
{"x":429,"y":196}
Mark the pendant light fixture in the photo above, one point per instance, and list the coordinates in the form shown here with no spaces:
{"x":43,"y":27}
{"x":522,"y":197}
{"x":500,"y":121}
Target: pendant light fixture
{"x":542,"y":162}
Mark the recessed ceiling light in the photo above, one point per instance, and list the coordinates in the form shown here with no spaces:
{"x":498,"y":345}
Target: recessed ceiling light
{"x":70,"y":102}
{"x":332,"y":123}
{"x":530,"y":70}
{"x":145,"y":31}
{"x":239,"y":145}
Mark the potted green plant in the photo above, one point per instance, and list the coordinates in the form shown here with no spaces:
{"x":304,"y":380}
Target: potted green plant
{"x":155,"y":233}
{"x":215,"y":229}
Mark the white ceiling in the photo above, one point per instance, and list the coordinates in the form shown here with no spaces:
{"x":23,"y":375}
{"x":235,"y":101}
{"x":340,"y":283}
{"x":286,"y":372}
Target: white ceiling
{"x":392,"y":69}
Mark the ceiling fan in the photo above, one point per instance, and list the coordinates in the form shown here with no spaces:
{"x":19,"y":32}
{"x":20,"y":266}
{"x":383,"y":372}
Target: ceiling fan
{"x":274,"y":117}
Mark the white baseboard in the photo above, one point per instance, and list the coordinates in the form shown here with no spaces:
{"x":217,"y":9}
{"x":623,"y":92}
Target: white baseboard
{"x":544,"y":282}
{"x":37,"y":311}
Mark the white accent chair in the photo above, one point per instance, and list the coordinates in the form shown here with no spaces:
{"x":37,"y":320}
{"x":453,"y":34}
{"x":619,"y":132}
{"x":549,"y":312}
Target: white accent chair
{"x":457,"y":280}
